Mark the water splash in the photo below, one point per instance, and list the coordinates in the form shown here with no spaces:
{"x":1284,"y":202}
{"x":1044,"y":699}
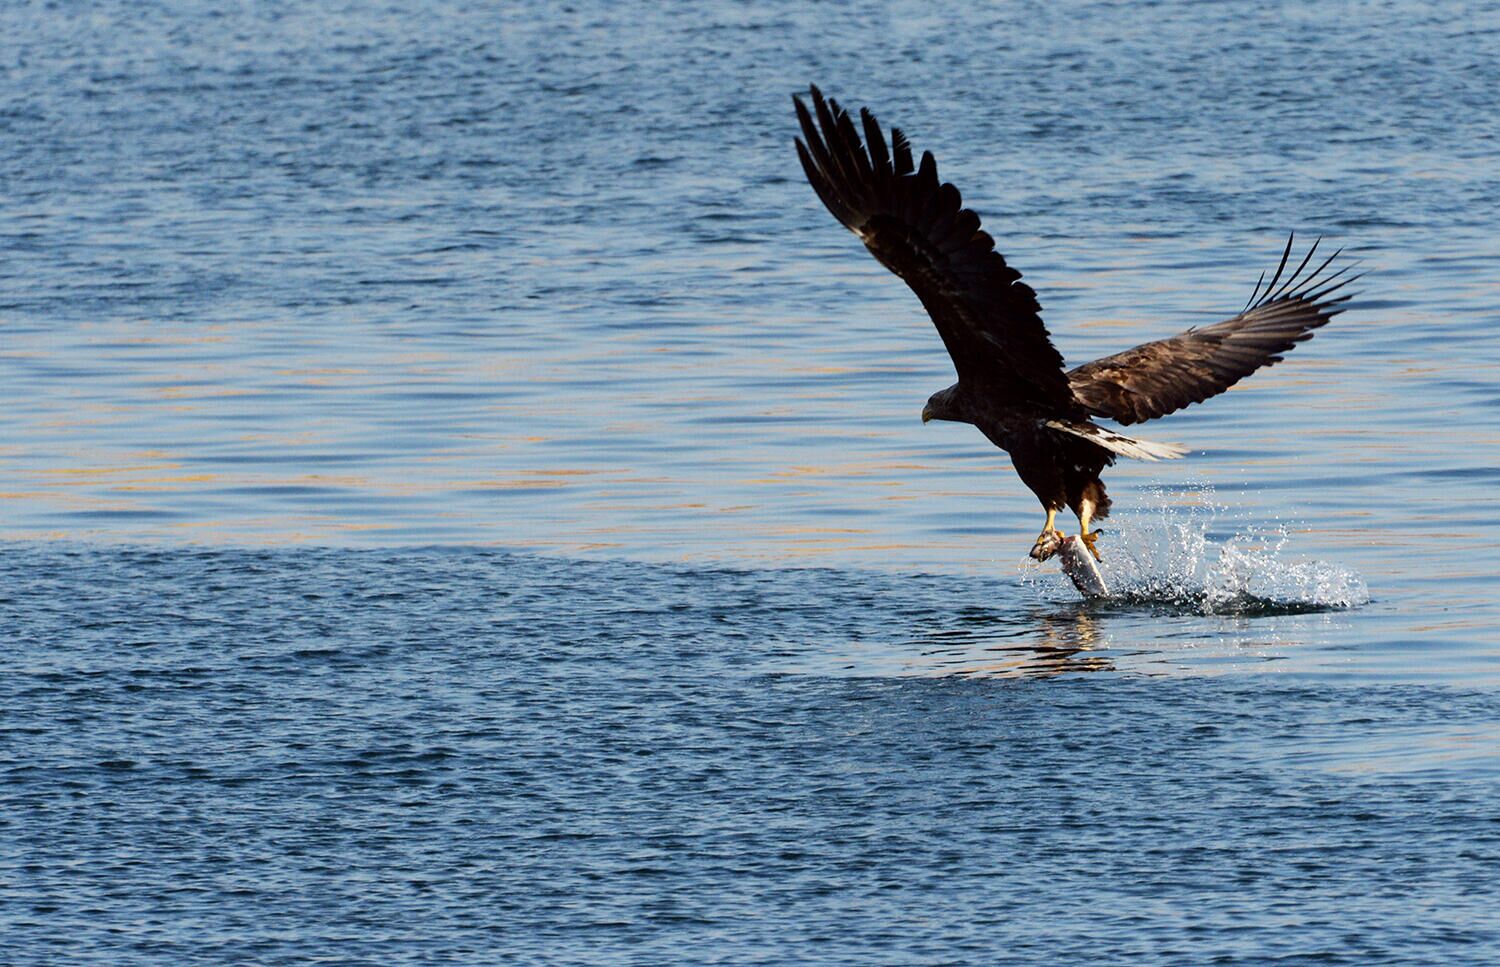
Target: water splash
{"x":1171,"y":553}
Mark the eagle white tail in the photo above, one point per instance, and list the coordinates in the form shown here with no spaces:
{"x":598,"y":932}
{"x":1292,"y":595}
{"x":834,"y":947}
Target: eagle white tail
{"x":1117,"y":443}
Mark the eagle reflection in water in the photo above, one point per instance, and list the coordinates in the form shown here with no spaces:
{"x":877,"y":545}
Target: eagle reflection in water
{"x":1057,"y":643}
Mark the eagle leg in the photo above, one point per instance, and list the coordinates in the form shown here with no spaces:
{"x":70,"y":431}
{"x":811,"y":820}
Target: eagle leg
{"x":1085,"y":511}
{"x":1049,"y":540}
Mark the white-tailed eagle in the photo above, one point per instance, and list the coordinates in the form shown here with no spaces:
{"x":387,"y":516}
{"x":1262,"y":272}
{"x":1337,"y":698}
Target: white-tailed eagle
{"x":1011,"y":381}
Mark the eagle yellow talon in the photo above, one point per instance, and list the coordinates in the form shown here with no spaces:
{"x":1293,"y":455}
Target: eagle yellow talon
{"x":1088,"y":541}
{"x":1049,"y":540}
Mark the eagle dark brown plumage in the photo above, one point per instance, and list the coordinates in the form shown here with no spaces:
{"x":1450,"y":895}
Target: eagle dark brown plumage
{"x":1011,"y":381}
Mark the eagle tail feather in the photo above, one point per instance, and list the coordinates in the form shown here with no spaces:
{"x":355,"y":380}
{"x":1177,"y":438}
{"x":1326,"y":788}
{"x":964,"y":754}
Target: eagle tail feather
{"x":1119,"y":443}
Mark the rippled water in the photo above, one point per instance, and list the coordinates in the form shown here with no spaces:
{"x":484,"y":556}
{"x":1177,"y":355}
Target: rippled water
{"x":740,"y":663}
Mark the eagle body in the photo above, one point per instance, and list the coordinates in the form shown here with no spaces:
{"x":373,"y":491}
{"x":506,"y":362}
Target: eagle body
{"x":1060,"y":468}
{"x":1012,"y":384}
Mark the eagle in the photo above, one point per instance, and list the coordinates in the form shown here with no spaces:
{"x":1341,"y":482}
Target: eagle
{"x":1011,"y":381}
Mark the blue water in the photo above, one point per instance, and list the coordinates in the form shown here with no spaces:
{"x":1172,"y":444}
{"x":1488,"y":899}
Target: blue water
{"x":463,"y":500}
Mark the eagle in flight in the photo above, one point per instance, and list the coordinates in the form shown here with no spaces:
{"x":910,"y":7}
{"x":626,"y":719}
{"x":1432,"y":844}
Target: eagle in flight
{"x":1011,"y":380}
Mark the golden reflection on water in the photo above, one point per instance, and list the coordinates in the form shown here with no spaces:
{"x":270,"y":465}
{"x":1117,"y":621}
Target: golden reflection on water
{"x":759,"y":435}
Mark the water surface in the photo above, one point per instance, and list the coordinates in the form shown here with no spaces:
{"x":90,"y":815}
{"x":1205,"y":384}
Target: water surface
{"x":464,"y":500}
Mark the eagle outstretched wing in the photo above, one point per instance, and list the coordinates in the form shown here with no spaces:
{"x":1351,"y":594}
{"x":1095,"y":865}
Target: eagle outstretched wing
{"x":918,"y":228}
{"x":1160,"y":377}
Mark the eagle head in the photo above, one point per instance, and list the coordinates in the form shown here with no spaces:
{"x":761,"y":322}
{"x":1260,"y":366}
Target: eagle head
{"x":944,"y":405}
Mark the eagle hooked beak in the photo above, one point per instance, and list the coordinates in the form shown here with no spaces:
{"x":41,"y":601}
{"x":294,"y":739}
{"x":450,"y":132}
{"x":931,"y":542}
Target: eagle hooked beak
{"x":926,"y":414}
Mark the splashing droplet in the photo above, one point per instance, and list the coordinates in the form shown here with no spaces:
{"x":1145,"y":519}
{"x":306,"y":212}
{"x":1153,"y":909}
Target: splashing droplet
{"x":1170,"y":554}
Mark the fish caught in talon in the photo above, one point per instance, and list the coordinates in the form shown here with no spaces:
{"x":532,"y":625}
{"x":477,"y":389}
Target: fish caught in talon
{"x":1047,"y":543}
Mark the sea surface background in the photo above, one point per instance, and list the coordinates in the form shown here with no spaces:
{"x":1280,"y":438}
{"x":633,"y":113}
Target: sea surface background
{"x":462,"y":499}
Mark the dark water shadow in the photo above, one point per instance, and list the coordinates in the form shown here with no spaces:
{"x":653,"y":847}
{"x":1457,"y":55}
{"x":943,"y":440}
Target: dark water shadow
{"x":1240,"y":605}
